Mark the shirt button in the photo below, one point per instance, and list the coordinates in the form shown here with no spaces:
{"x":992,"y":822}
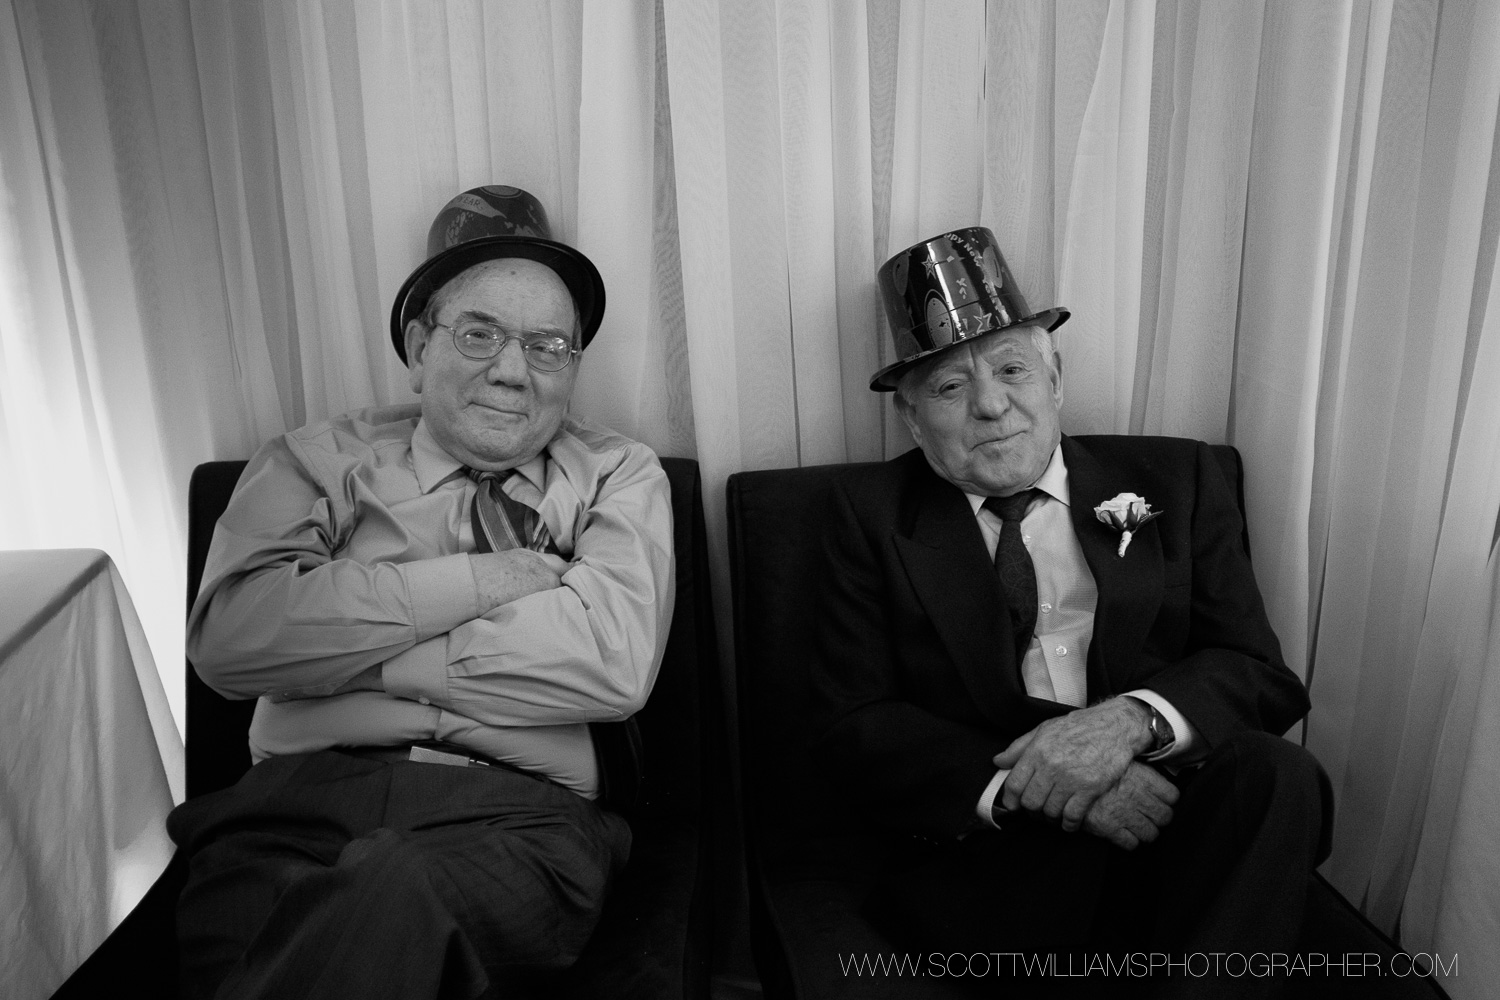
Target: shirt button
{"x":424,"y":701}
{"x":1046,"y":609}
{"x":1062,"y":650}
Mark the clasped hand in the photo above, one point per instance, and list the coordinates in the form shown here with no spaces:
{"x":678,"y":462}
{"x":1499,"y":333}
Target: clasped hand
{"x":1079,"y":770}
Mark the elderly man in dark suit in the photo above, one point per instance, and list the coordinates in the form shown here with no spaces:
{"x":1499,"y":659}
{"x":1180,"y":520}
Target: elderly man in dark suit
{"x":1050,"y":684}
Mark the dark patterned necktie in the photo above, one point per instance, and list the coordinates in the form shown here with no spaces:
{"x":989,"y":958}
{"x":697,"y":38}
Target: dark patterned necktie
{"x":1014,"y":567}
{"x":502,"y":522}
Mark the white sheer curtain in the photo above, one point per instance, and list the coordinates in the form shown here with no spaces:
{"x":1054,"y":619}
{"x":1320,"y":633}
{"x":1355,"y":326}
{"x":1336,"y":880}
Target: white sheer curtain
{"x":1404,"y":492}
{"x":89,"y":406}
{"x":1275,"y":225}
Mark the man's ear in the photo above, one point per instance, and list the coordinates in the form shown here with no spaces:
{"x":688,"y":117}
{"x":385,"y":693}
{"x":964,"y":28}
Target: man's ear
{"x":907,"y":416}
{"x":1057,"y":381}
{"x":417,"y":337}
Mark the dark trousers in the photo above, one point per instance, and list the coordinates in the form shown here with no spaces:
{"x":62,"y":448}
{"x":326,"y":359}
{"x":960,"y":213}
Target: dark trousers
{"x":1228,"y":875}
{"x":330,"y":875}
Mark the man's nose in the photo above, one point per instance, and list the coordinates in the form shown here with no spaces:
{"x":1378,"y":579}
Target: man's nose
{"x":509,"y":366}
{"x":990,"y":399}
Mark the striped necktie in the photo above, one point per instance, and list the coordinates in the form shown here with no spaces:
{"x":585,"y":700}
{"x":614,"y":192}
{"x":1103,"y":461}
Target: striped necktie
{"x":502,"y":522}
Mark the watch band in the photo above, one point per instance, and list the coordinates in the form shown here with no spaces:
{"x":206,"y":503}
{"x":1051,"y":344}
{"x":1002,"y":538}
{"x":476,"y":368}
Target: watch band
{"x":1163,"y":736}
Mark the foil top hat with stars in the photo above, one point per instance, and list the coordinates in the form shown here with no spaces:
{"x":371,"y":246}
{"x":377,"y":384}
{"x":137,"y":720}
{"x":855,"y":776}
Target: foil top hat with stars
{"x":946,"y":290}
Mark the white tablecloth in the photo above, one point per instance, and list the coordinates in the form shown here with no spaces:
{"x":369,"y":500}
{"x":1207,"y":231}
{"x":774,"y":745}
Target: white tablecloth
{"x":86,"y":746}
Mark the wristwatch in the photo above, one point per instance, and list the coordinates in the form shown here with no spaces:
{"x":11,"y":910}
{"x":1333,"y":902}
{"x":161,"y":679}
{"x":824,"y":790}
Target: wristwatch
{"x":1162,"y":734}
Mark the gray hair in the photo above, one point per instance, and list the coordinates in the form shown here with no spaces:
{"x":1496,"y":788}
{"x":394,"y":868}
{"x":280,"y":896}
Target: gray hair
{"x":1041,"y":339}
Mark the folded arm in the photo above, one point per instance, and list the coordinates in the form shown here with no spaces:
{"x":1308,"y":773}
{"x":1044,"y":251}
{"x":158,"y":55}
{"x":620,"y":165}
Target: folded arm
{"x":279,"y":612}
{"x":587,"y":650}
{"x":507,"y":638}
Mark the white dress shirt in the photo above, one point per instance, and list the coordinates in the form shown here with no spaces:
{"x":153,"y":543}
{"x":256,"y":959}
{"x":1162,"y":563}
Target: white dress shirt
{"x":1055,"y":666}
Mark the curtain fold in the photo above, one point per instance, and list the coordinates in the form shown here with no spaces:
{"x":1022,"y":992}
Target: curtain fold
{"x":1099,"y":275}
{"x":617,"y":181}
{"x":1275,"y":225}
{"x":90,"y":395}
{"x":1290,"y":255}
{"x":1392,"y":432}
{"x":1439,"y":864}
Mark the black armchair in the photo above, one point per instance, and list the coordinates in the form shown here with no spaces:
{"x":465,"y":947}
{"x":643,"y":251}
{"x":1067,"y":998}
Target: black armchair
{"x":654,"y":937}
{"x":800,"y":923}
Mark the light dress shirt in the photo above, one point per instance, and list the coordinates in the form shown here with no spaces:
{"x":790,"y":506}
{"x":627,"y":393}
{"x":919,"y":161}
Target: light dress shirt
{"x":345,"y":551}
{"x":1055,"y":666}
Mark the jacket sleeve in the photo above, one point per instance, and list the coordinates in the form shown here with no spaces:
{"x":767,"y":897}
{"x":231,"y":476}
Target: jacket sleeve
{"x":1230,"y":675}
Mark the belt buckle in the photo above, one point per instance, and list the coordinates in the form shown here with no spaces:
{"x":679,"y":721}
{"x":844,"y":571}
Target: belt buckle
{"x":426,"y":753}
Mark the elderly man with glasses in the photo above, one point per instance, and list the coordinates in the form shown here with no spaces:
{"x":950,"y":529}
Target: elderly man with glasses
{"x":478,"y":580}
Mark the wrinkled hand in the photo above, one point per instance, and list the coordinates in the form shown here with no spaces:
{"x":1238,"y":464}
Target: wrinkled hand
{"x":1135,"y":810}
{"x":1063,"y":765}
{"x":507,"y":576}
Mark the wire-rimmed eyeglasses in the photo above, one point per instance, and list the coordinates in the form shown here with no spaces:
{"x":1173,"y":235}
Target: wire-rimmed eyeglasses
{"x":546,"y":352}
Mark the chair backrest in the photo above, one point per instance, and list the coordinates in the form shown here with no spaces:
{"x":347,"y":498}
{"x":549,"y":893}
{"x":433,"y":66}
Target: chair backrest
{"x":775,"y":522}
{"x":217,"y":728}
{"x":672,"y":726}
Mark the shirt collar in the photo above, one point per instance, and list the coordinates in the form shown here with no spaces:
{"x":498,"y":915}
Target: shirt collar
{"x":1053,"y":482}
{"x":433,"y":466}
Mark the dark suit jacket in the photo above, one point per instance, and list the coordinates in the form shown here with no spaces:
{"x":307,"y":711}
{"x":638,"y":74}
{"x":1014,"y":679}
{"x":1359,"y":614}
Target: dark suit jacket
{"x":916,"y":668}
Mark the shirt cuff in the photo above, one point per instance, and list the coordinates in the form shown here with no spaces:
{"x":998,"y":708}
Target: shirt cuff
{"x":420,"y":673}
{"x":1187,"y":736}
{"x":442,"y":592}
{"x":986,"y":806}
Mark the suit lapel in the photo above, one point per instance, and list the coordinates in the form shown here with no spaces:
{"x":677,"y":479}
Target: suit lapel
{"x":1130,"y":586}
{"x":945,"y":560}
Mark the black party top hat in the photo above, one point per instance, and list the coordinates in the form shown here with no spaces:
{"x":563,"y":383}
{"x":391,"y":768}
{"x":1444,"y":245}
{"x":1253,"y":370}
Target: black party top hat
{"x":947,"y":290}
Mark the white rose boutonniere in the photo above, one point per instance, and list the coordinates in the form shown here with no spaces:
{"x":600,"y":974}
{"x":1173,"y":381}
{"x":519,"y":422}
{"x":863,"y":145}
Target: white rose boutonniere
{"x":1126,"y":513}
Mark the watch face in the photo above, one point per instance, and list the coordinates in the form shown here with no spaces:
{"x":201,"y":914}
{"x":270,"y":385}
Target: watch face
{"x":1161,"y":732}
